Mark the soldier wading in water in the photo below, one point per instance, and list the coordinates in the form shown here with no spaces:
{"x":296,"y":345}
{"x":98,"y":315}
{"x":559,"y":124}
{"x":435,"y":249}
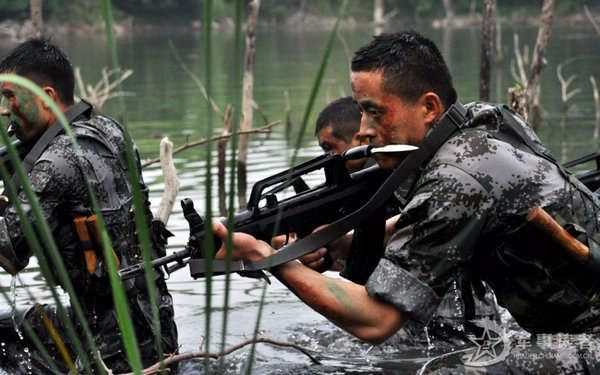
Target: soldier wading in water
{"x":57,"y":177}
{"x":478,"y":171}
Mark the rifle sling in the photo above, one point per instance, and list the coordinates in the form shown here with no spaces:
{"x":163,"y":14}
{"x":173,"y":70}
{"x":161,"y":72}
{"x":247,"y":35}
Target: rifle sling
{"x":452,"y":120}
{"x":76,"y":110}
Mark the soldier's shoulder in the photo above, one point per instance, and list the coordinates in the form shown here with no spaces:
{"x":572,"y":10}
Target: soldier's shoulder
{"x":97,"y":124}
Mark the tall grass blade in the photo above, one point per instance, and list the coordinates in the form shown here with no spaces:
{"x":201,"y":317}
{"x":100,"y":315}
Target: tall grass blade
{"x":140,"y":221}
{"x":250,"y":360}
{"x":318,"y":80}
{"x":208,"y":244}
{"x":237,"y":93}
{"x":311,"y":100}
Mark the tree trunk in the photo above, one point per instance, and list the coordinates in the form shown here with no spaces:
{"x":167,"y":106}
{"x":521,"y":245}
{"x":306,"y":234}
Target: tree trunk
{"x":227,"y":125}
{"x":378,"y":20}
{"x":37,"y":22}
{"x":597,"y":106}
{"x":538,"y":63}
{"x":487,"y":37}
{"x":449,"y":12}
{"x":247,"y":98}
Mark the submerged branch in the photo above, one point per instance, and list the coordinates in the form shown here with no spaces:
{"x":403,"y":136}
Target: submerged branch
{"x":201,"y":141}
{"x":175,"y":358}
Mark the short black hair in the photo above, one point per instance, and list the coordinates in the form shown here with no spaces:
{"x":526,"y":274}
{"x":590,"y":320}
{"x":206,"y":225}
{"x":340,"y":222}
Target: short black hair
{"x":411,"y":64}
{"x":45,"y":64}
{"x":343,"y":115}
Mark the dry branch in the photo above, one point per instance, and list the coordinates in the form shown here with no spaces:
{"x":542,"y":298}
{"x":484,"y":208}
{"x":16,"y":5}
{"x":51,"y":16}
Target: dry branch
{"x":288,"y":116}
{"x":201,"y":141}
{"x":171,"y":181}
{"x":247,"y":98}
{"x":597,"y":106}
{"x":592,"y":19}
{"x":103,"y":90}
{"x":227,"y":125}
{"x":487,"y":37}
{"x":37,"y":21}
{"x":194,"y":78}
{"x":175,"y":358}
{"x":538,"y":62}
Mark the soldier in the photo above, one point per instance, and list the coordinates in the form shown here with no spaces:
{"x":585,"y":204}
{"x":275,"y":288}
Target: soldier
{"x":464,"y":202}
{"x":57,"y":176}
{"x":337,"y":129}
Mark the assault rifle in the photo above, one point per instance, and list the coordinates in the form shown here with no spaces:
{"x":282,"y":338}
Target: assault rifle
{"x":267,"y":215}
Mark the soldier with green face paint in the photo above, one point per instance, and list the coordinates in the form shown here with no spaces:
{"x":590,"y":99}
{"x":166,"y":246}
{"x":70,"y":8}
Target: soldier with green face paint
{"x":464,"y":201}
{"x":57,"y":175}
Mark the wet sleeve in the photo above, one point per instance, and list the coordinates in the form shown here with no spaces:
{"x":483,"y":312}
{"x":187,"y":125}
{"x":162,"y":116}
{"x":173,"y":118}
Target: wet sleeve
{"x":435,"y":237}
{"x":50,"y":182}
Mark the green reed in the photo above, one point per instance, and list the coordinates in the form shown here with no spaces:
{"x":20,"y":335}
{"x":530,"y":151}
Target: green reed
{"x":303,"y":125}
{"x":237,"y":84}
{"x":208,"y":243}
{"x":141,"y":223}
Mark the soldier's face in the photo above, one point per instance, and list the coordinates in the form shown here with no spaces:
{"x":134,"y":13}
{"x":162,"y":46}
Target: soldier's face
{"x":24,"y":109}
{"x":331,"y":143}
{"x":386,"y":118}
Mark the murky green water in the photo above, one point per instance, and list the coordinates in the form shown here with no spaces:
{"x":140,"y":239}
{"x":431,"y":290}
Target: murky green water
{"x":167,"y":102}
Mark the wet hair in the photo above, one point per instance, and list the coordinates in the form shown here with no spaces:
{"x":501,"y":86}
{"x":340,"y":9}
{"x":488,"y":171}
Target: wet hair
{"x":411,"y":64}
{"x":45,"y":64}
{"x":343,"y":115}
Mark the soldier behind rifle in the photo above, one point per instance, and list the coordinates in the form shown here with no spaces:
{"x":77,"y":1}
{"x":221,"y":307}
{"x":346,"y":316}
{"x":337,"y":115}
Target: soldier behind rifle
{"x":464,"y":217}
{"x":57,"y":176}
{"x":337,"y":129}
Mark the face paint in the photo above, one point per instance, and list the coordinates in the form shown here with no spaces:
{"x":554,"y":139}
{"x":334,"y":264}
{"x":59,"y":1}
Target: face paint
{"x":24,"y":112}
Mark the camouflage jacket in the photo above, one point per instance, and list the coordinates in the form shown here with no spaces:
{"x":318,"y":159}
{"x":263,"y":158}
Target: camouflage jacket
{"x":57,"y":178}
{"x":465,"y":223}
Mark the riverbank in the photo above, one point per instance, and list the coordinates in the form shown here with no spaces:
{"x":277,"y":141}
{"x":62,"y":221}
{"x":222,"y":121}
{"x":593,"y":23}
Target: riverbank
{"x":13,"y":31}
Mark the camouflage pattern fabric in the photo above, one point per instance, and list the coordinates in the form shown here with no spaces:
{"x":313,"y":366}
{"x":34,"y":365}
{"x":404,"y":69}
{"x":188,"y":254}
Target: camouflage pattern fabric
{"x":465,"y":223}
{"x":57,"y":178}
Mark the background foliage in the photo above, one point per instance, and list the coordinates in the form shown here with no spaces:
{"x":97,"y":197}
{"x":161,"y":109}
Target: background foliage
{"x":273,"y":10}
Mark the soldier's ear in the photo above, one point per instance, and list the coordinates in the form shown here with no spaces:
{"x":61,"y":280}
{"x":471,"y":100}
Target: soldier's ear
{"x":49,"y":90}
{"x":432,"y":107}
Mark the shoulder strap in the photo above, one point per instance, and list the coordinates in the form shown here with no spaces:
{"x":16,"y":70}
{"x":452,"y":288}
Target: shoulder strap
{"x":76,"y":110}
{"x":452,"y":120}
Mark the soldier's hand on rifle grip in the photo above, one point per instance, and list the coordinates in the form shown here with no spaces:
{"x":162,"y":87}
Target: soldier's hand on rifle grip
{"x":245,"y":246}
{"x":329,"y":255}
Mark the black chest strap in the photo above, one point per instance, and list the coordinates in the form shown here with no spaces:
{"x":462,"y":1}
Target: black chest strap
{"x":83,"y":108}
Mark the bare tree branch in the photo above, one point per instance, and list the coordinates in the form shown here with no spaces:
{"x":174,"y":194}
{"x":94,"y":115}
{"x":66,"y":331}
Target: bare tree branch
{"x":592,"y":19}
{"x":247,"y":98}
{"x":227,"y":124}
{"x":175,"y":358}
{"x":195,"y":78}
{"x":597,"y":105}
{"x":201,"y":141}
{"x":103,"y":90}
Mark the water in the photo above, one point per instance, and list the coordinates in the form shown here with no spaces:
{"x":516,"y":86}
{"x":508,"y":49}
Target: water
{"x":166,"y":102}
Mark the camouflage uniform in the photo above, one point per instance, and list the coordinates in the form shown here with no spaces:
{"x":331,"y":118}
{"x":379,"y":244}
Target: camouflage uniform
{"x":464,"y":223}
{"x":58,"y":180}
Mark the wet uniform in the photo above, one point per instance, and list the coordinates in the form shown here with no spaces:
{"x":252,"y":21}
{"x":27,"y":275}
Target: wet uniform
{"x":465,"y":223}
{"x":58,"y":180}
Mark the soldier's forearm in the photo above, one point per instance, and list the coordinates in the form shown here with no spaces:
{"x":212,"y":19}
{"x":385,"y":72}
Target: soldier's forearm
{"x":346,"y":304}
